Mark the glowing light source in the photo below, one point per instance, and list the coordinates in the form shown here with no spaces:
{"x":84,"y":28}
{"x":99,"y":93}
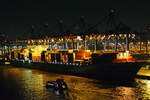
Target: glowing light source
{"x":124,"y":57}
{"x":79,"y":38}
{"x":52,"y":40}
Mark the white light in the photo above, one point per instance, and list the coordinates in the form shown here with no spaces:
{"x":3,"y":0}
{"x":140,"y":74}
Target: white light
{"x":79,"y":38}
{"x":29,"y":61}
{"x":77,"y":64}
{"x":148,"y":82}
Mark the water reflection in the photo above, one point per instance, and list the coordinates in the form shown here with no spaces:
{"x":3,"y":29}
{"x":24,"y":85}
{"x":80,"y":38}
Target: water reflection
{"x":144,"y":88}
{"x":28,"y":84}
{"x":125,"y":93}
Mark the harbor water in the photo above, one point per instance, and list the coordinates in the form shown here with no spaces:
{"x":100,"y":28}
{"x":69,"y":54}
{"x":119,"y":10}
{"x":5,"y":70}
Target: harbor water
{"x":18,"y":83}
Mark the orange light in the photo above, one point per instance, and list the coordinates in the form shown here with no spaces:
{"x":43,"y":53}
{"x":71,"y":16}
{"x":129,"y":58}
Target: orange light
{"x":124,"y":57}
{"x":83,"y":54}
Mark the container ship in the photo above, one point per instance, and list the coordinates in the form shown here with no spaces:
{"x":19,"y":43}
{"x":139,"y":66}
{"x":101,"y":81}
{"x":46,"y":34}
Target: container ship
{"x":97,"y":65}
{"x":87,"y":52}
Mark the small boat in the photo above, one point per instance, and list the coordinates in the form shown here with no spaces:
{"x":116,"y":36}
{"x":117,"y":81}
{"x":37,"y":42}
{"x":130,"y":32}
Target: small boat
{"x":50,"y":84}
{"x":59,"y":84}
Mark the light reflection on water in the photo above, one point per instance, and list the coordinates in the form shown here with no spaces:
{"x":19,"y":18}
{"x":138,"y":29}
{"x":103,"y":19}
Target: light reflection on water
{"x":29,"y":84}
{"x":144,"y":88}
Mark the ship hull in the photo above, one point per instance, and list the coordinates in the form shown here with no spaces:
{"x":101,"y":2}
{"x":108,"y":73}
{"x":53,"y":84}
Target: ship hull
{"x":110,"y":71}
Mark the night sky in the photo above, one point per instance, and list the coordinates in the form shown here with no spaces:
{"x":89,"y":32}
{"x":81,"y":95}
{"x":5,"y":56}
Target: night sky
{"x":17,"y":16}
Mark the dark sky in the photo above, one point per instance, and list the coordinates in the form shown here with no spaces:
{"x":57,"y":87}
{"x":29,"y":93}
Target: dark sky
{"x":17,"y":16}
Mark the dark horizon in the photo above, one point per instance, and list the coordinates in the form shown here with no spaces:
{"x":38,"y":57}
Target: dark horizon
{"x":17,"y":17}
